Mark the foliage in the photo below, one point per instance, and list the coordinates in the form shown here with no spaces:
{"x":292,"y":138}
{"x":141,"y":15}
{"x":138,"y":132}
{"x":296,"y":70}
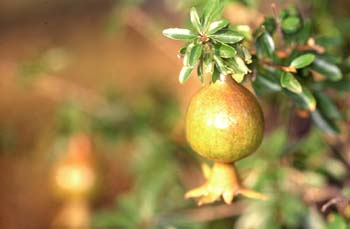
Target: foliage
{"x":212,"y":44}
{"x":282,"y":56}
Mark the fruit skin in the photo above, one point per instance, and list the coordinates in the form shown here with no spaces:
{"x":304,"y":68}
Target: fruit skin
{"x":224,"y":121}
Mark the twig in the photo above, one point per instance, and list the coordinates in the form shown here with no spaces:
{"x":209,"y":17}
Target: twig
{"x":335,"y":201}
{"x":58,"y":89}
{"x":310,"y":46}
{"x":278,"y":23}
{"x":283,"y":68}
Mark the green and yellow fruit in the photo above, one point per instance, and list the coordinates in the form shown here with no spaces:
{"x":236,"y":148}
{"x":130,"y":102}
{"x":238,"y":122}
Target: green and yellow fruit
{"x":224,"y":121}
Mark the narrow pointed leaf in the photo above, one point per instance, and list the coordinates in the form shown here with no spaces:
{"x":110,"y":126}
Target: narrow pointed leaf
{"x":217,"y":25}
{"x":327,"y":106}
{"x":200,"y":71}
{"x":266,"y":44}
{"x":179,"y":34}
{"x":236,"y":65}
{"x":247,"y":55}
{"x":225,"y":51}
{"x":329,"y":70}
{"x":216,"y":74}
{"x":195,"y":20}
{"x":266,"y":84}
{"x":208,"y":64}
{"x":324,"y":123}
{"x":227,"y":36}
{"x":211,"y":10}
{"x":303,"y":61}
{"x":305,"y":99}
{"x":220,"y":64}
{"x":241,"y":66}
{"x":341,"y":85}
{"x":238,"y":77}
{"x":192,"y":55}
{"x":245,"y":30}
{"x":185,"y":73}
{"x":289,"y":82}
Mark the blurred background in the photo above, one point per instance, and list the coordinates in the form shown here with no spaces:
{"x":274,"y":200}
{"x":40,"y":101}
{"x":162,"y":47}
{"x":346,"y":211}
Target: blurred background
{"x":91,"y":122}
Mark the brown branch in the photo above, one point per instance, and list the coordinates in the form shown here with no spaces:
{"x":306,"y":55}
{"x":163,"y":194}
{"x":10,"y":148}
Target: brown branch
{"x":278,"y":23}
{"x":283,"y":68}
{"x":310,"y":46}
{"x":59,"y":90}
{"x":335,"y":201}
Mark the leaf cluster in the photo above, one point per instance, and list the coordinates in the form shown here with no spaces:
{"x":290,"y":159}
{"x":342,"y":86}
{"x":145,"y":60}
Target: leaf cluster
{"x":282,"y":56}
{"x":288,"y":60}
{"x":212,"y":44}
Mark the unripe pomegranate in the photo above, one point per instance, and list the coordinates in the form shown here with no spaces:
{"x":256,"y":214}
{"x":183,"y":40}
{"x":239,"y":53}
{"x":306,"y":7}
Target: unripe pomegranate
{"x":224,"y":121}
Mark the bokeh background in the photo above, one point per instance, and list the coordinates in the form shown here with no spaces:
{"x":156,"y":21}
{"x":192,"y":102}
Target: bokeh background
{"x":91,"y":122}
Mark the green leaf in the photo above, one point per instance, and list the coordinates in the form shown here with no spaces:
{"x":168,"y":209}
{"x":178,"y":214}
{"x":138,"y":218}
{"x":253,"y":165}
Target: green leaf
{"x":238,"y":77}
{"x":185,"y":73}
{"x":341,"y":85}
{"x":266,"y":83}
{"x":216,"y":74}
{"x":225,"y":51}
{"x":247,"y":55}
{"x":326,"y":105}
{"x":179,"y":34}
{"x":244,"y":30}
{"x":270,"y":24}
{"x":304,"y":33}
{"x":227,"y":36}
{"x":266,"y":44}
{"x":211,"y":10}
{"x":192,"y":55}
{"x":324,"y":123}
{"x":220,"y":64}
{"x":237,"y":67}
{"x":208,"y":64}
{"x":200,"y":71}
{"x":305,"y":99}
{"x":217,"y":25}
{"x":289,"y":82}
{"x":183,"y":50}
{"x":329,"y":70}
{"x":240,"y":64}
{"x":291,"y":24}
{"x":195,"y":20}
{"x":303,"y":61}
